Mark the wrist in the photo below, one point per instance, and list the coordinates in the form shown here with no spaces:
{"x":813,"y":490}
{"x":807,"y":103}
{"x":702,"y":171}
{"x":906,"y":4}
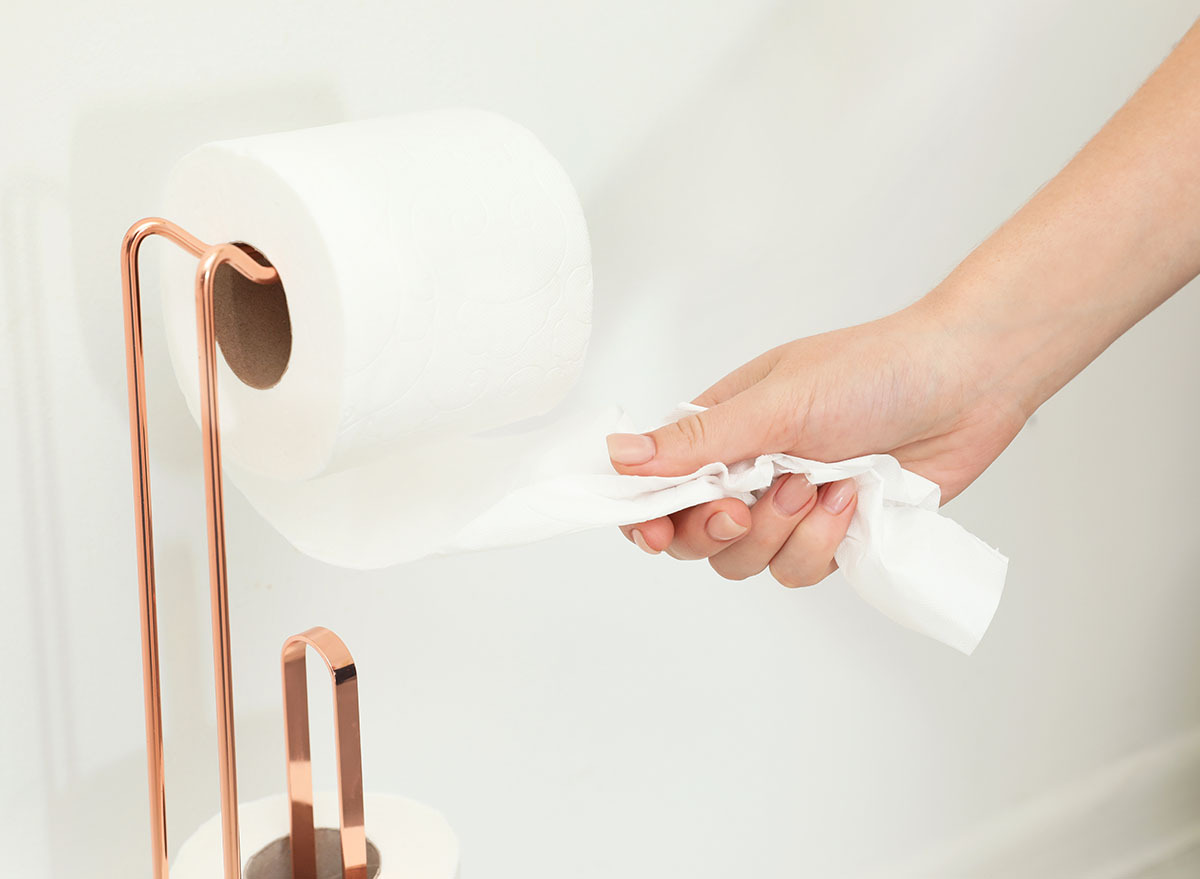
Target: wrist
{"x":1006,"y":355}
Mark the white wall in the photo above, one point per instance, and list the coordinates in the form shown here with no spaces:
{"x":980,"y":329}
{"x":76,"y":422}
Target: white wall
{"x":751,"y":172}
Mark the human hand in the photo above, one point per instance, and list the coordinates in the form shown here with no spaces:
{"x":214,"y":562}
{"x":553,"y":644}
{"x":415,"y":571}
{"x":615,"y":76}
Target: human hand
{"x":902,"y":385}
{"x":946,"y":384}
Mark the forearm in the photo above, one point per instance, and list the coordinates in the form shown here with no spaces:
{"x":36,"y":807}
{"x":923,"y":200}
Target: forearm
{"x":1110,"y":238}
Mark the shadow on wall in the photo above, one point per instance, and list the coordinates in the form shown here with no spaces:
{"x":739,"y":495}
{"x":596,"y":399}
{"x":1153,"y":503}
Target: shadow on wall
{"x":30,"y":208}
{"x":120,"y":157}
{"x":762,"y":206}
{"x":686,"y":226}
{"x":94,"y":816}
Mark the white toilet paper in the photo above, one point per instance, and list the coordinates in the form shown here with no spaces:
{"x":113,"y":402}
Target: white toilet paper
{"x":414,"y":841}
{"x":437,"y":276}
{"x":923,"y":570}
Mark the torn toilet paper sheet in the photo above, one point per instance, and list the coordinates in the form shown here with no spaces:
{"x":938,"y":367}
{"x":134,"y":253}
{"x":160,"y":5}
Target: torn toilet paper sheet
{"x":923,"y":570}
{"x":900,"y":554}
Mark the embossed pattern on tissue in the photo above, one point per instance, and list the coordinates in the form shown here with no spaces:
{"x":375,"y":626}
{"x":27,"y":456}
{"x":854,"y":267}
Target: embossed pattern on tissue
{"x":504,"y":244}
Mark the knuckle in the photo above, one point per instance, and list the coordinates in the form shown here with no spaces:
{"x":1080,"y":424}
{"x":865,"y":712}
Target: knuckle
{"x":690,"y":431}
{"x":782,"y":423}
{"x":760,"y":545}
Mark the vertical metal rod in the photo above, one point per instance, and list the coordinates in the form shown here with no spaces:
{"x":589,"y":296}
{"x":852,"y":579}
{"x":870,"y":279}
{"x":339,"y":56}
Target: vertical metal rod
{"x":299,"y":760}
{"x":344,"y":676}
{"x":206,"y":344}
{"x":135,"y":366}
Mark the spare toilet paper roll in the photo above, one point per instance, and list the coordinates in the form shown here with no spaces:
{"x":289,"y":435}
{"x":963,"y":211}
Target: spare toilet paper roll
{"x":413,"y":841}
{"x":435,"y":295}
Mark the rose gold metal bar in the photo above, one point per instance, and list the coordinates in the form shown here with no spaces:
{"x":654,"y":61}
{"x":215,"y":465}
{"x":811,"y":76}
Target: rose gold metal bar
{"x":211,"y":258}
{"x":349,"y":754}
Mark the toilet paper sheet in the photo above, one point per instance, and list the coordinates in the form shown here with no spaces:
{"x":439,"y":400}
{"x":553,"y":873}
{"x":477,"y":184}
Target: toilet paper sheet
{"x":902,"y":556}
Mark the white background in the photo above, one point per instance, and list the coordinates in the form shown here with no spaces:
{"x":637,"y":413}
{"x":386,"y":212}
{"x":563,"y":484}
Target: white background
{"x":751,"y":172}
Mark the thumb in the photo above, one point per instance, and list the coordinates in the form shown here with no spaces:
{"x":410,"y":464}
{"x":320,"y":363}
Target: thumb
{"x":742,"y":427}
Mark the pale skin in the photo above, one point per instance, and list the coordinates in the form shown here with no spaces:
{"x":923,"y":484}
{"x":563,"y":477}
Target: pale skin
{"x":947,"y":383}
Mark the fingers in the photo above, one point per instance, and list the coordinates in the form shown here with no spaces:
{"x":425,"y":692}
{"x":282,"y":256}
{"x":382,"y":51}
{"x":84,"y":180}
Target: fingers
{"x":773,"y":519}
{"x":695,"y":533}
{"x":746,"y":425}
{"x":706,"y":529}
{"x":653,"y":536}
{"x":794,"y":529}
{"x":807,"y":555}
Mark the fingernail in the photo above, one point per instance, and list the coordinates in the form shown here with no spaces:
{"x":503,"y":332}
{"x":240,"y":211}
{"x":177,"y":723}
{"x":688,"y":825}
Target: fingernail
{"x":640,"y":542}
{"x":793,"y":495}
{"x":838,"y":495}
{"x":630,"y":449}
{"x":721,"y":526}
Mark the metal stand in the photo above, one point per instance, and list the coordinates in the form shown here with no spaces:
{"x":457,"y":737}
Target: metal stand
{"x":210,"y":256}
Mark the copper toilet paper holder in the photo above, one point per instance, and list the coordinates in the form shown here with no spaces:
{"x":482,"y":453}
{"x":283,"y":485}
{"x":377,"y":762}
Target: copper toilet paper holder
{"x":329,"y":646}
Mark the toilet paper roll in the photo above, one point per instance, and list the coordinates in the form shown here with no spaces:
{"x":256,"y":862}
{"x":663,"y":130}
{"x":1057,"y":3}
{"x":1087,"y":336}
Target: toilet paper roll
{"x":413,"y":841}
{"x":435,"y":282}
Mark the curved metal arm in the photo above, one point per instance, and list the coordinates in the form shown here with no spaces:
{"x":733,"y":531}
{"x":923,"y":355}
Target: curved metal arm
{"x":344,"y":676}
{"x":210,"y":259}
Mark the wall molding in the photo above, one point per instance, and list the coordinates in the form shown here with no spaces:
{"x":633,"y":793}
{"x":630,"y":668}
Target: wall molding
{"x":1114,"y":823}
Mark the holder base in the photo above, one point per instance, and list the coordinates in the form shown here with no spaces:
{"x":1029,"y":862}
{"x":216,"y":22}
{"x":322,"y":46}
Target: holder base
{"x":275,"y":860}
{"x":413,"y":841}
